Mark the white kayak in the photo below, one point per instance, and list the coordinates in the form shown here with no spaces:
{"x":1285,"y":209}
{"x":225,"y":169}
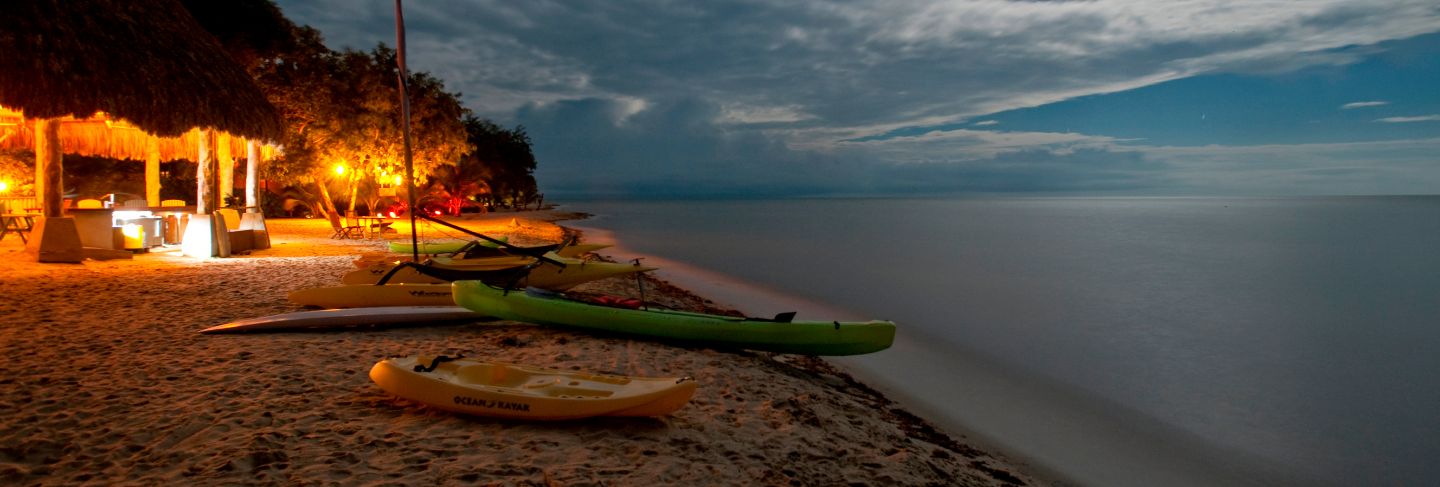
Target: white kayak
{"x":337,"y":319}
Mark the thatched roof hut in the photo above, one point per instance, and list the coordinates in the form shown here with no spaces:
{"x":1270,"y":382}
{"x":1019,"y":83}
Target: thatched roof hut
{"x":148,"y":62}
{"x":103,"y":136}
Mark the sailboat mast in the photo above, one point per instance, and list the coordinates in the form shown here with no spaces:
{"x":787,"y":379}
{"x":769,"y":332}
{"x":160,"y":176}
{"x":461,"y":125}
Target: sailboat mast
{"x":405,"y":118}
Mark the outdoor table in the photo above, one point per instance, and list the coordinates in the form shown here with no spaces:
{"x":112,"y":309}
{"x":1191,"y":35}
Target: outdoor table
{"x":18,"y":223}
{"x":372,"y":225}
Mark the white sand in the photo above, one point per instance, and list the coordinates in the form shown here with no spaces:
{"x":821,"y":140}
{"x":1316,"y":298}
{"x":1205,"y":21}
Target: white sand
{"x":107,"y":382}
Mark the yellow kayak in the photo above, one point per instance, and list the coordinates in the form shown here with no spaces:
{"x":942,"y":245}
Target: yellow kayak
{"x":573,"y":251}
{"x":372,"y":296}
{"x":451,"y":246}
{"x":544,"y":276}
{"x":525,"y":392}
{"x":379,"y":267}
{"x":577,"y":250}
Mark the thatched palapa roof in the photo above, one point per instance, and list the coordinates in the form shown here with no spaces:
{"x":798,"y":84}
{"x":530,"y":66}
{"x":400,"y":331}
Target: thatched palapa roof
{"x":147,"y":62}
{"x":102,"y":136}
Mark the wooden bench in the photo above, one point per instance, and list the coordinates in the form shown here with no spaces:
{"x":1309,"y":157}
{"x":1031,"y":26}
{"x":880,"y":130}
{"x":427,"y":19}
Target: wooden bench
{"x":19,"y":204}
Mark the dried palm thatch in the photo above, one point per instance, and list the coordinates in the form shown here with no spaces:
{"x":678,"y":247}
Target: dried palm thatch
{"x":102,"y":136}
{"x":148,"y":62}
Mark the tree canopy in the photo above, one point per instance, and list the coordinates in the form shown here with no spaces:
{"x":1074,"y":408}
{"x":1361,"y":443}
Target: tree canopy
{"x":503,"y":159}
{"x":341,"y":110}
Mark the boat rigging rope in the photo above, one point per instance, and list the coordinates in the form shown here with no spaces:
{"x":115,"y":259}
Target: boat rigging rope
{"x":432,"y":228}
{"x":640,"y":283}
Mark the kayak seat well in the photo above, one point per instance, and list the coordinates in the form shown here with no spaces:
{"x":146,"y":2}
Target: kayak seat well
{"x":513,"y":378}
{"x":568,"y":391}
{"x":490,"y":375}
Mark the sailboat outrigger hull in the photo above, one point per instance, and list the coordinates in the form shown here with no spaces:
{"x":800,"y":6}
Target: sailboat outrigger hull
{"x":544,"y":275}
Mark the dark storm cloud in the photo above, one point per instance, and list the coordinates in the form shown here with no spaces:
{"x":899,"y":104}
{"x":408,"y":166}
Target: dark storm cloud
{"x":671,"y":148}
{"x":748,"y":95}
{"x":848,"y":63}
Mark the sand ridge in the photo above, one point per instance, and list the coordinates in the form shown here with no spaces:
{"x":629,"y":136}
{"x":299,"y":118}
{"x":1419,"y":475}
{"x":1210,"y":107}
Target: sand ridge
{"x":108,"y":382}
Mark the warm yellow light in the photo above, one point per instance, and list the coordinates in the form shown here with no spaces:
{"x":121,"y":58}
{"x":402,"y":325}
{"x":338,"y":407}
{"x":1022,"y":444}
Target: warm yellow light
{"x":134,"y":236}
{"x":398,"y":180}
{"x":4,"y":186}
{"x":339,"y":169}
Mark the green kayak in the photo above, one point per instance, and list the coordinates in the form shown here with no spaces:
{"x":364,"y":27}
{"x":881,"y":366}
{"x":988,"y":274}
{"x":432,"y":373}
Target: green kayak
{"x":440,"y":247}
{"x":783,"y":336}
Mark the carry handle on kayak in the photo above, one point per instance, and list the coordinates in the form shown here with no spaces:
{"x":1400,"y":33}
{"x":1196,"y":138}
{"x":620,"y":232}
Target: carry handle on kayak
{"x":502,"y":243}
{"x":435,"y":363}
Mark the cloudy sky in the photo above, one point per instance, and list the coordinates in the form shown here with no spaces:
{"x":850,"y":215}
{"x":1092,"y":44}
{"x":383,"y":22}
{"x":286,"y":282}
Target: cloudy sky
{"x":675,"y":97}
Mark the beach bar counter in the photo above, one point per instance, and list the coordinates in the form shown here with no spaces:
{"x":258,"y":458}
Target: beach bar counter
{"x":121,"y":228}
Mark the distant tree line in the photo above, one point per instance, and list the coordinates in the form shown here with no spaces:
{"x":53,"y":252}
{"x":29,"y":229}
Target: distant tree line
{"x":343,"y":132}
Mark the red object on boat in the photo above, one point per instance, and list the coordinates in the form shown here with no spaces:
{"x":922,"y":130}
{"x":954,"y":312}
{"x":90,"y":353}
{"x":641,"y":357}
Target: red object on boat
{"x":617,"y":302}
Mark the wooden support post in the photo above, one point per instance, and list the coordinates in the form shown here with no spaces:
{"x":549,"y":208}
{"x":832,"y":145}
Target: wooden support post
{"x":152,"y":171}
{"x":252,"y":175}
{"x":225,"y":163}
{"x":205,"y":173}
{"x":54,"y":237}
{"x":200,"y":239}
{"x":49,"y":171}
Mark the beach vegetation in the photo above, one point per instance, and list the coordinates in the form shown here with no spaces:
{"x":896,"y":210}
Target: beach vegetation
{"x":335,"y":108}
{"x":497,"y":172}
{"x":340,"y":111}
{"x":17,"y":171}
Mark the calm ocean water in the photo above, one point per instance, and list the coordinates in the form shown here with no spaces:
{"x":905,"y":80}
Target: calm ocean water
{"x":1116,"y":341}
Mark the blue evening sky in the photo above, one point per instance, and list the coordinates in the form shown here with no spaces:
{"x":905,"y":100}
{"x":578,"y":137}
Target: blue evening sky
{"x":652,"y":97}
{"x":1354,"y":102}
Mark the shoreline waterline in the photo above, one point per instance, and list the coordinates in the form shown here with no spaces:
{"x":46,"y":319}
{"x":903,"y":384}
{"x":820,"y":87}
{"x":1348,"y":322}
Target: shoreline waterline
{"x":754,"y":299}
{"x":1083,"y":438}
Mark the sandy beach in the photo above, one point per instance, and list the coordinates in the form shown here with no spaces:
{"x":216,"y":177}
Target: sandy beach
{"x":107,"y":382}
